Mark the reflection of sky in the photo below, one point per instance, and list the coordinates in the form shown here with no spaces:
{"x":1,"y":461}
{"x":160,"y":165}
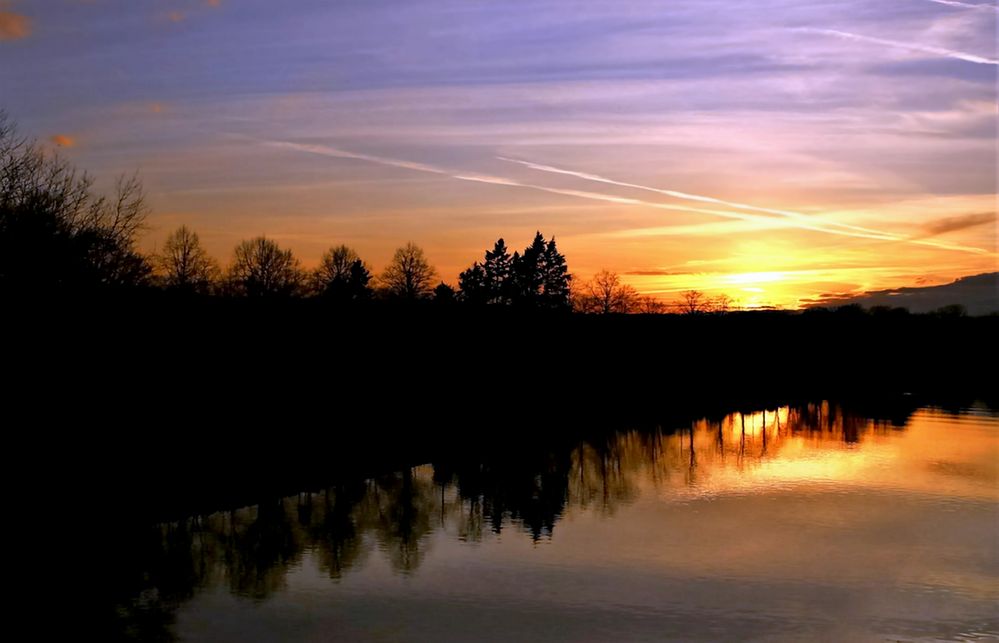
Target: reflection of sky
{"x":888,"y":537}
{"x":878,"y":458}
{"x":880,"y":116}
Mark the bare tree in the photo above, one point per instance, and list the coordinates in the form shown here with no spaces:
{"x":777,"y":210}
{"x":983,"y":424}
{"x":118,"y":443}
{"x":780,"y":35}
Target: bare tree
{"x":650,"y":305}
{"x":54,"y":231}
{"x":335,"y":265}
{"x":260,"y":268}
{"x":341,"y":275}
{"x":693,"y":302}
{"x":606,"y":294}
{"x":720,"y":304}
{"x":184,"y":263}
{"x":409,"y":275}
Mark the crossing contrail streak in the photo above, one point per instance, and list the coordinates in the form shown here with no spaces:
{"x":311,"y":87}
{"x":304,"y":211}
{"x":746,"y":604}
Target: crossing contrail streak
{"x":966,"y":5}
{"x":911,"y":46}
{"x":764,"y":222}
{"x":804,"y":221}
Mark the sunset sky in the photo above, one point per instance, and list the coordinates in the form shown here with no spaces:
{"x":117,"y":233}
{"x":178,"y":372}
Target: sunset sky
{"x":772,"y":150}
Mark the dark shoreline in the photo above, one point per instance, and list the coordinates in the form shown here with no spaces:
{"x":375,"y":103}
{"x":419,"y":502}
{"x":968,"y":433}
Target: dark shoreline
{"x":205,"y":404}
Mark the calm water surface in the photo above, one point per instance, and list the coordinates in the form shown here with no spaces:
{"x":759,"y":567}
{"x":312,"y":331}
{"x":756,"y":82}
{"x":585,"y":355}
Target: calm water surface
{"x":804,"y":523}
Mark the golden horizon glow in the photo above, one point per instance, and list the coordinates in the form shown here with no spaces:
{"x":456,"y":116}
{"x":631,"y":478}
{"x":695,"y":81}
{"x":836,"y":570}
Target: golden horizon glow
{"x":852,"y":151}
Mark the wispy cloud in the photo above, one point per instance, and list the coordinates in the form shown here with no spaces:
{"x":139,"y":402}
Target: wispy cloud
{"x":910,"y":46}
{"x":63,"y":140}
{"x":657,"y":273}
{"x":14,"y":26}
{"x":953,"y":224}
{"x":800,"y":220}
{"x":966,"y":5}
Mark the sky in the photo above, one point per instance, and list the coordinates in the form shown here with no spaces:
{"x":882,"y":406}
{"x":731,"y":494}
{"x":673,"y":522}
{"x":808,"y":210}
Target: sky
{"x":776,"y":151}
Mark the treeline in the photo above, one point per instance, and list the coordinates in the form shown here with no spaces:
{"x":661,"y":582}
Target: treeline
{"x":59,"y":237}
{"x":536,"y":278}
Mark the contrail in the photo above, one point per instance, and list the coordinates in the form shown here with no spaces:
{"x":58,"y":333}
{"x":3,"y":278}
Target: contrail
{"x":326,"y":150}
{"x":927,"y":49}
{"x":802,"y":220}
{"x":765,"y":222}
{"x":810,"y":220}
{"x":966,"y":5}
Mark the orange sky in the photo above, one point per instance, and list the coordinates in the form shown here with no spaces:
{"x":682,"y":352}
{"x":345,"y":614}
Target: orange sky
{"x":772,"y":152}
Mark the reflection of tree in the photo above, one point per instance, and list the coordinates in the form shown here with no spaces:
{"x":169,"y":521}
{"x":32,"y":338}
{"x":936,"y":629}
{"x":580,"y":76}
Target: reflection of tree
{"x":600,"y":471}
{"x":258,"y":556}
{"x":526,"y":486}
{"x":528,"y":490}
{"x":339,"y":543}
{"x":400,"y":507}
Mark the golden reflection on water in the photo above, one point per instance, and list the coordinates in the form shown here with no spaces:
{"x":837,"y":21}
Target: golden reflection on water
{"x":769,"y":450}
{"x":894,"y":519}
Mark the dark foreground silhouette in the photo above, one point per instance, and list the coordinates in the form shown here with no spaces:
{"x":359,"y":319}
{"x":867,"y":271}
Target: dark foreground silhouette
{"x":139,"y":395}
{"x":125,"y":415}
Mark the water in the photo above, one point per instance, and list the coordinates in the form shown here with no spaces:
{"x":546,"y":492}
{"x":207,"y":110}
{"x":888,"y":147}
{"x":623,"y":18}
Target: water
{"x":803,"y":523}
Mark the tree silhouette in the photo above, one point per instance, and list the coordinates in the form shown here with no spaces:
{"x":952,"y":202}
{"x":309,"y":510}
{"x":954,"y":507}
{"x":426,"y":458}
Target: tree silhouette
{"x":473,"y":285}
{"x":693,"y":302}
{"x":499,"y":272}
{"x":445,"y":294}
{"x":529,"y":273}
{"x":55,"y":233}
{"x":262,"y":269}
{"x":720,"y":304}
{"x":184,"y":264}
{"x":541,"y":275}
{"x":342,"y":276}
{"x":538,"y":278}
{"x":409,"y":275}
{"x":490,"y":282}
{"x":650,"y":305}
{"x":556,"y":279}
{"x":606,"y":294}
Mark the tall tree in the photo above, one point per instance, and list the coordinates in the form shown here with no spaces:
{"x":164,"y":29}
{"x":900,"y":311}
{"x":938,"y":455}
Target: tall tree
{"x":556,"y":280}
{"x":409,"y":275}
{"x":473,"y":286}
{"x":529,"y":273}
{"x":498,"y":268}
{"x":184,"y":263}
{"x":490,"y":282}
{"x":540,"y":276}
{"x":341,"y":275}
{"x":260,"y":268}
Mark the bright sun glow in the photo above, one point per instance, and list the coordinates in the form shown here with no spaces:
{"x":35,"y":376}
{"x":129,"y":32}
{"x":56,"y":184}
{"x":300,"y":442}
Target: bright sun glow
{"x":750,"y":278}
